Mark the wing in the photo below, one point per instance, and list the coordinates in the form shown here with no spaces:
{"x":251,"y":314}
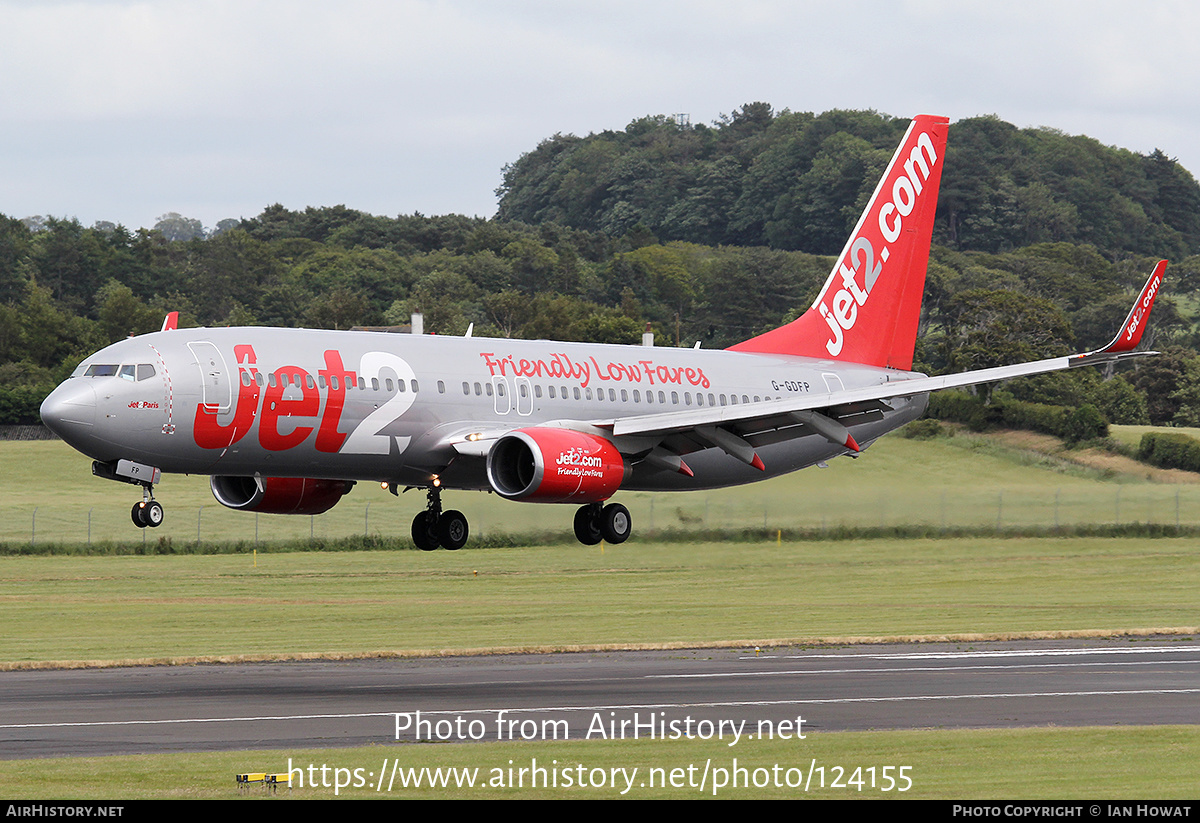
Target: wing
{"x":728,"y":427}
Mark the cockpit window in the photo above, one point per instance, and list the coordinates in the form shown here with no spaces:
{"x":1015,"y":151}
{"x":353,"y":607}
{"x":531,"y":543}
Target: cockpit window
{"x":141,"y":371}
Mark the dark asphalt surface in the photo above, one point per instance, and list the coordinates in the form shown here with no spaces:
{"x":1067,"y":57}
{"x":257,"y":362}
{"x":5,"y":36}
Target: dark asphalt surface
{"x":706,"y":693}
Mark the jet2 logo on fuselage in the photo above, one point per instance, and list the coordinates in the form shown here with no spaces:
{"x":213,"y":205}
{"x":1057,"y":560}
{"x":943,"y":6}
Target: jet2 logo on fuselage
{"x":264,"y":401}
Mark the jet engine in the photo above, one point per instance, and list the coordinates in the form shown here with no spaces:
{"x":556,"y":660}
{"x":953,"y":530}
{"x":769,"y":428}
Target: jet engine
{"x":550,"y":465}
{"x":279,"y":495}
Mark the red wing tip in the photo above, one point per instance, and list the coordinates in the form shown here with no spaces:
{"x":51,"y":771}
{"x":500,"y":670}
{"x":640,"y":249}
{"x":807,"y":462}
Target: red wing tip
{"x":852,"y":444}
{"x":758,"y":464}
{"x":685,"y":469}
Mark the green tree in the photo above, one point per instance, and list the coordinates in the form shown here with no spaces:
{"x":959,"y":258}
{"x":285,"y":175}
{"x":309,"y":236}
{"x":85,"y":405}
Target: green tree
{"x":175,"y":227}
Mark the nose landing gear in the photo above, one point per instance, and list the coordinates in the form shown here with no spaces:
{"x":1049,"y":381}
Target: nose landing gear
{"x":149,"y":512}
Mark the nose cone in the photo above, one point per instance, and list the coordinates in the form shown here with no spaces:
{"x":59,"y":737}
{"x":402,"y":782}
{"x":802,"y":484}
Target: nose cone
{"x":70,"y":411}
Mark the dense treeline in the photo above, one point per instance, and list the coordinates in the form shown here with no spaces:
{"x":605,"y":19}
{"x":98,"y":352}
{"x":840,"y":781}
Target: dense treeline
{"x":566,"y":260}
{"x":795,"y":180}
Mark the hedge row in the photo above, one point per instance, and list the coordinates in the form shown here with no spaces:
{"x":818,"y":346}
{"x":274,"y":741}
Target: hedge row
{"x":19,"y":404}
{"x":1170,"y":451}
{"x":1074,"y":425}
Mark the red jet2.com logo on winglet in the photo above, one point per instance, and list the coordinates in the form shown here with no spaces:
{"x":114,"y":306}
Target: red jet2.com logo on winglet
{"x":842,"y":310}
{"x":1143,"y":308}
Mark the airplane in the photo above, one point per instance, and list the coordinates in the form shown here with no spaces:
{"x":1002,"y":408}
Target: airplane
{"x":288,"y":420}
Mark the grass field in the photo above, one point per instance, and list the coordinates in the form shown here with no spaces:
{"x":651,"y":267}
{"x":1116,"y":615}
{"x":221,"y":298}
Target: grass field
{"x":964,"y":481}
{"x":357,"y":603}
{"x":276,"y":603}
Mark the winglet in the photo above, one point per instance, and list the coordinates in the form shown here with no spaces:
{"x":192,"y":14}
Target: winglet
{"x":171,"y":321}
{"x":1131,"y":332}
{"x":1135,"y":324}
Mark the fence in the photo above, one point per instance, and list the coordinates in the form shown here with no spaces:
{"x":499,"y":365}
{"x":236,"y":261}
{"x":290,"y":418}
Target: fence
{"x":731,"y":510}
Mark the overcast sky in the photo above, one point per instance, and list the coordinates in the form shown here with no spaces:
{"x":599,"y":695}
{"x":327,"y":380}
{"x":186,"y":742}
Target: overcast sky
{"x":124,"y":111}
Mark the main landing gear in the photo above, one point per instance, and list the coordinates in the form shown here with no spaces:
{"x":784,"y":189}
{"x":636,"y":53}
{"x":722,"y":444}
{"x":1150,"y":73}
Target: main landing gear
{"x":435,"y":528}
{"x":595,"y":522}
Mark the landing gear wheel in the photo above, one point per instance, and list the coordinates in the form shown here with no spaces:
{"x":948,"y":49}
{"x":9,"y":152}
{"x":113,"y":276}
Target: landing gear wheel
{"x":153,"y":514}
{"x":587,"y":525}
{"x":138,"y":515}
{"x":615,"y":523}
{"x":452,"y":530}
{"x":422,"y":534}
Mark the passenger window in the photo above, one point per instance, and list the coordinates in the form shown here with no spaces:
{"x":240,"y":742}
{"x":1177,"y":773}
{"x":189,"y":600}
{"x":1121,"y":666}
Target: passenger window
{"x":308,"y":381}
{"x":537,"y":391}
{"x":441,"y":387}
{"x":576,"y":392}
{"x":487,"y":389}
{"x":400,"y":386}
{"x":414,"y":386}
{"x":374,"y":384}
{"x":478,"y":389}
{"x":246,"y":378}
{"x":551,"y":390}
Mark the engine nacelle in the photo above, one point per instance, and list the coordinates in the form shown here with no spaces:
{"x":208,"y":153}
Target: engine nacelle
{"x":555,"y":466}
{"x":279,"y":495}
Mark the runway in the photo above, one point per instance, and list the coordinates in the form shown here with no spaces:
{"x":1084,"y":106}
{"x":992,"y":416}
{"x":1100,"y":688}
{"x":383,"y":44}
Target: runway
{"x":708,"y":693}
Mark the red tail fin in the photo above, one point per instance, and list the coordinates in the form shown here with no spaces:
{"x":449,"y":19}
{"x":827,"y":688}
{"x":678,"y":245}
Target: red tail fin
{"x":868,"y":310}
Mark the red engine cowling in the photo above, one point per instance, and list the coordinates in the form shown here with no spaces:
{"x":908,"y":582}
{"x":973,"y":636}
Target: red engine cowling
{"x":279,"y":495}
{"x":555,"y":466}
